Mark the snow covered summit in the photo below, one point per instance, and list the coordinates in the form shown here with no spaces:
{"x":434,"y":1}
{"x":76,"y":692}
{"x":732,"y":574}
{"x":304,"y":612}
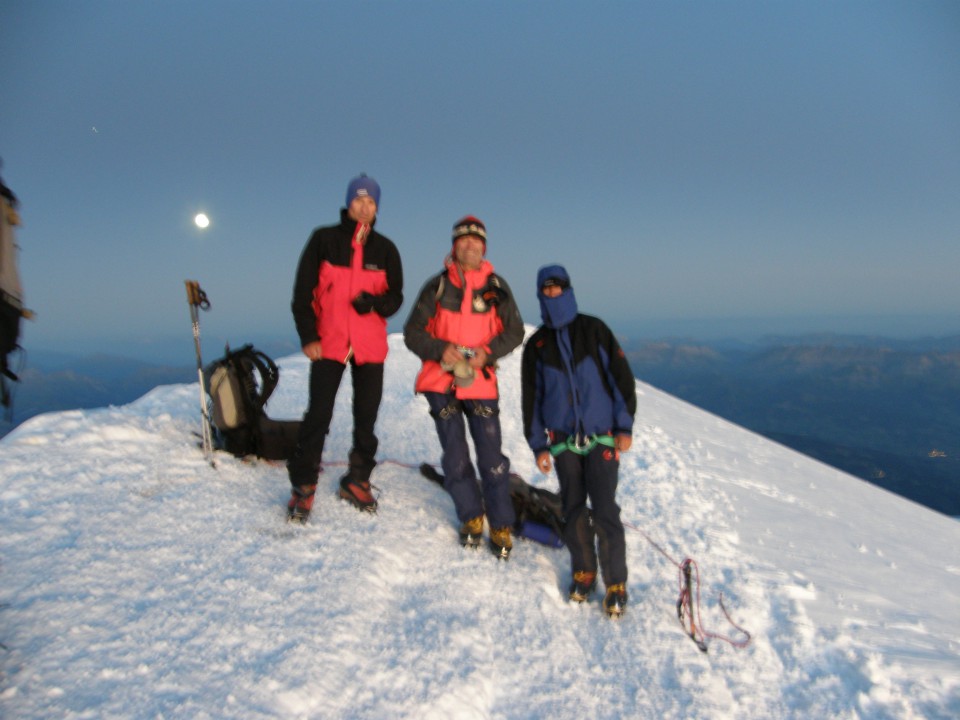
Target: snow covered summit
{"x":137,"y":581}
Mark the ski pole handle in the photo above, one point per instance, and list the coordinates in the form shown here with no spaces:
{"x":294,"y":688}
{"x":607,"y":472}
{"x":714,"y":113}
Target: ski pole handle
{"x":192,"y":291}
{"x":195,"y":296}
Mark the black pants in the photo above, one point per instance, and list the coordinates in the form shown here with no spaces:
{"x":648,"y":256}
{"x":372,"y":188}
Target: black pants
{"x":325,"y":376}
{"x":593,"y":476}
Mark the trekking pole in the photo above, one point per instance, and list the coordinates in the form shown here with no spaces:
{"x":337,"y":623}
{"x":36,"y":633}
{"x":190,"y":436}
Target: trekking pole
{"x":197,"y":299}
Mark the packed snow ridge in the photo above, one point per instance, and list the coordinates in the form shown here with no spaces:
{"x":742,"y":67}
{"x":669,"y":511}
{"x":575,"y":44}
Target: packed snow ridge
{"x":138,"y":581}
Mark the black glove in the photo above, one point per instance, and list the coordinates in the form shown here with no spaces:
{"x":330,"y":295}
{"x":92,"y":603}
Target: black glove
{"x":363,"y":303}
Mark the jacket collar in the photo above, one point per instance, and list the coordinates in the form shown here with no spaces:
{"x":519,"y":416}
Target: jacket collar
{"x":456,"y":273}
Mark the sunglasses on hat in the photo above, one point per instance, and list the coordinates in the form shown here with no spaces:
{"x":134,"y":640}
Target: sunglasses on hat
{"x":561,"y":283}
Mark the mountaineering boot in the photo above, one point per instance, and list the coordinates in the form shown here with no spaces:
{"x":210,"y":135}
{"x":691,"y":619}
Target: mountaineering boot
{"x":584,"y":583}
{"x":615,"y":603}
{"x":358,"y":493}
{"x":301,"y":503}
{"x":500,"y":542}
{"x":471,"y":532}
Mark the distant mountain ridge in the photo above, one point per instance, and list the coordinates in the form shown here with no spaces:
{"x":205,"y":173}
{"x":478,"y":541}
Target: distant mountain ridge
{"x":881,"y":409}
{"x":56,"y":380}
{"x":59,"y":382}
{"x":945,"y":344}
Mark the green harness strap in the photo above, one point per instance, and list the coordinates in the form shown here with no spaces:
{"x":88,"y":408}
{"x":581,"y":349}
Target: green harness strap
{"x":583,"y":448}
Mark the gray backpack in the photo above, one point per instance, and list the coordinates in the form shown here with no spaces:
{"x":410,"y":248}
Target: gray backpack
{"x":239,"y":385}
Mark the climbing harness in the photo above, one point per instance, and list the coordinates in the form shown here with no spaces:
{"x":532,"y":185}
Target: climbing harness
{"x":581,"y":444}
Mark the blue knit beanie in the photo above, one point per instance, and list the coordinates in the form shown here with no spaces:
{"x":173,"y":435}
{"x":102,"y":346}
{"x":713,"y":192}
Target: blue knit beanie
{"x":363,"y":186}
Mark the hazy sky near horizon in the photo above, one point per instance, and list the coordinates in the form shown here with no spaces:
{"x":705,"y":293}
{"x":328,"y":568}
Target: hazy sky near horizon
{"x":687,"y":161}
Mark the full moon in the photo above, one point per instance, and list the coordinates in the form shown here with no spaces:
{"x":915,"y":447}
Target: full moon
{"x":201,"y":221}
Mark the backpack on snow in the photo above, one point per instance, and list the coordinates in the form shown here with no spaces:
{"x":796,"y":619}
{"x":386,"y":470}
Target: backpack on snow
{"x":539,"y":512}
{"x":239,"y":385}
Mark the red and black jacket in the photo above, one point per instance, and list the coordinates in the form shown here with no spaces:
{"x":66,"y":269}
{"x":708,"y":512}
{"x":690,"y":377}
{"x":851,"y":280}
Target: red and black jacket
{"x":334,"y":268}
{"x":474,"y":309}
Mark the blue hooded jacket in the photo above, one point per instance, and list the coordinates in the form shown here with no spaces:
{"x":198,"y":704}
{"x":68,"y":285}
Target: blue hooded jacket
{"x":575,"y":376}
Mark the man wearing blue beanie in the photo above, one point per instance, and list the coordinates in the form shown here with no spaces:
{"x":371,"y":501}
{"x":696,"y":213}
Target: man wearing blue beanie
{"x":349,"y":281}
{"x":579,"y":399}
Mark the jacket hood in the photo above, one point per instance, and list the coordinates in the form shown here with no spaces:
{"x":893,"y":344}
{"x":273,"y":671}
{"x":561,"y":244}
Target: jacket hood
{"x":559,"y":311}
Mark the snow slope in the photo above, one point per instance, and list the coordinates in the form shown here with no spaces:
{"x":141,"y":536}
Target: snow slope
{"x":139,"y":582}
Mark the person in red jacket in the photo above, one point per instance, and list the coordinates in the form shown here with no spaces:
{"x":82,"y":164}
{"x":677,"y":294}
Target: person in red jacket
{"x":349,"y":280}
{"x":466,"y":319}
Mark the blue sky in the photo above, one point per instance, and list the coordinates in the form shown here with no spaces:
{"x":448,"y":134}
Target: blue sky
{"x":700,"y":167}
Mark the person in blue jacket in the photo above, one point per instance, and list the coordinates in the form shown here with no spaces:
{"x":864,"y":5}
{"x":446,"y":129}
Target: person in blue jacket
{"x":579,"y":400}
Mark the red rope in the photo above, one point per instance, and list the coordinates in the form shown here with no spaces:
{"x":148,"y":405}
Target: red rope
{"x":696,"y":626}
{"x":385,"y":461}
{"x":696,"y":630}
